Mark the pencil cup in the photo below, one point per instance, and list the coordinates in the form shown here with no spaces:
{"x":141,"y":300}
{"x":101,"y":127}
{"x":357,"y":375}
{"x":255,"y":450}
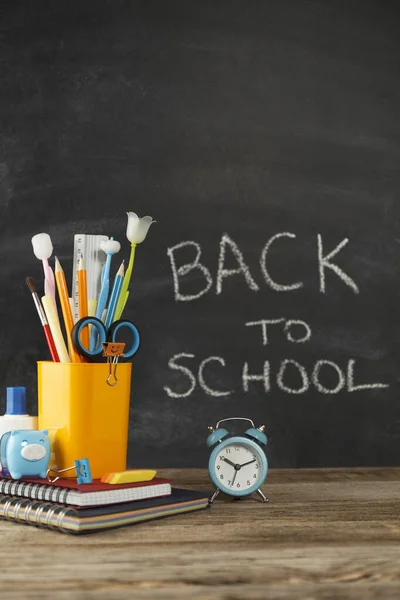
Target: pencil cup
{"x":85,"y":416}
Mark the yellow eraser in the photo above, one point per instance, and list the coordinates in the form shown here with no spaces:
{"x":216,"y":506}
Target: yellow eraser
{"x":132,"y":476}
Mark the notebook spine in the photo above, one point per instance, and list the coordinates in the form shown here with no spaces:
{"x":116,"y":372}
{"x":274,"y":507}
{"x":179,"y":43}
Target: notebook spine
{"x":34,"y":491}
{"x":37,"y":513}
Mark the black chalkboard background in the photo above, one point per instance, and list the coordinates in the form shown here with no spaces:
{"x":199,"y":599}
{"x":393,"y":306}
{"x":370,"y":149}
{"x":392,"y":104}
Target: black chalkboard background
{"x":237,"y":118}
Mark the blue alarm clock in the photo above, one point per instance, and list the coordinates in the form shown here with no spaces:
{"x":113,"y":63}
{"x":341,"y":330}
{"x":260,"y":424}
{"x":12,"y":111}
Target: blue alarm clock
{"x":238,"y":465}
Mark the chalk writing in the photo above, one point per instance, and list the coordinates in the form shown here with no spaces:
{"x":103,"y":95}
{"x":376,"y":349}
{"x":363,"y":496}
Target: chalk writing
{"x":187,"y":268}
{"x":287,"y":375}
{"x":208,"y":390}
{"x":278,"y":287}
{"x":172,"y":364}
{"x":289,"y":324}
{"x":267,"y":377}
{"x":243,"y":269}
{"x":316,"y":380}
{"x":324,"y":262}
{"x":302,"y":372}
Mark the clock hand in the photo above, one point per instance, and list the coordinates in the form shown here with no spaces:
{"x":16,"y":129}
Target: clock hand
{"x":228,"y":461}
{"x":234,"y":477}
{"x":248,"y":463}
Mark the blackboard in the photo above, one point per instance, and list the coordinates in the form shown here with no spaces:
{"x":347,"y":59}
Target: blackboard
{"x":264,"y":139}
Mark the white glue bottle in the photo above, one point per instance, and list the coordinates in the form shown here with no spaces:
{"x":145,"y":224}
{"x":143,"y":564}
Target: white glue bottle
{"x":16,"y":416}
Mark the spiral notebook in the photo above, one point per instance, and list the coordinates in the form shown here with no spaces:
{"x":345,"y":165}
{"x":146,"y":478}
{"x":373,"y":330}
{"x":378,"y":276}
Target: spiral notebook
{"x":86,"y":520}
{"x":67,"y":491}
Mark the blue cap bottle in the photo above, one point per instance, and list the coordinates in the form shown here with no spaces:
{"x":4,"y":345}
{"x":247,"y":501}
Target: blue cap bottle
{"x":16,"y":416}
{"x":16,"y":401}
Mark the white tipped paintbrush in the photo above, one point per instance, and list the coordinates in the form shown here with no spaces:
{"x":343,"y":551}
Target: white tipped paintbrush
{"x":43,"y":249}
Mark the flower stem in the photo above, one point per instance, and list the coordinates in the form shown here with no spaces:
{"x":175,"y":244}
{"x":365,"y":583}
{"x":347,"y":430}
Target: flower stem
{"x":125,"y":283}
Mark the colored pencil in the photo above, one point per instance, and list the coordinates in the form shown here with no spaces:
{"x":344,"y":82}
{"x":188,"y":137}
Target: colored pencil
{"x":82,"y":300}
{"x":66,"y":310}
{"x":112,"y":305}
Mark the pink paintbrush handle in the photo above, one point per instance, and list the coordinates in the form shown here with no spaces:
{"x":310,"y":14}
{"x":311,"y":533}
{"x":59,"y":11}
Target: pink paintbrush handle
{"x":49,"y":282}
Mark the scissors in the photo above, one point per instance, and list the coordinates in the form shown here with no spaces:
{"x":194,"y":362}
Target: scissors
{"x":104,"y":336}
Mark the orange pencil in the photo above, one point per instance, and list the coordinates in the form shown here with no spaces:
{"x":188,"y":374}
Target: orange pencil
{"x":82,"y":300}
{"x":66,"y":310}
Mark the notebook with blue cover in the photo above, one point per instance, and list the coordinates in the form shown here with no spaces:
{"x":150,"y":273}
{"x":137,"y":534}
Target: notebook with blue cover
{"x":86,"y":520}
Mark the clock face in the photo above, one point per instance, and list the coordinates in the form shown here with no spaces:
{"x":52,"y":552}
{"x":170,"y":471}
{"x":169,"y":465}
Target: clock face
{"x":238,"y":467}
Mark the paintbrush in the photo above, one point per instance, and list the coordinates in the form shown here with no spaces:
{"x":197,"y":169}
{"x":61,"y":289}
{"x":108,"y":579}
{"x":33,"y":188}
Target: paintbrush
{"x":43,"y":249}
{"x":50,"y":342}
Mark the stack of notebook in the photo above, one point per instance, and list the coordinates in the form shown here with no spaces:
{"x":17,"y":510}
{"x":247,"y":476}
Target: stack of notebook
{"x":71,"y":508}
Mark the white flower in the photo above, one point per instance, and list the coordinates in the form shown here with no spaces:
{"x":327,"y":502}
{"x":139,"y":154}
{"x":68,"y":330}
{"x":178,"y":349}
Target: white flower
{"x":137,"y":228}
{"x":110,"y":246}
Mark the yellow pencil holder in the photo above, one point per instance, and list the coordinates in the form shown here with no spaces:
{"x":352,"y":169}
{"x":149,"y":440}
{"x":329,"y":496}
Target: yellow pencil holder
{"x":85,"y":416}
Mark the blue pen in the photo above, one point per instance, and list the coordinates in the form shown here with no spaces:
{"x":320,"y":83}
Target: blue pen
{"x":110,"y":247}
{"x":116,"y":290}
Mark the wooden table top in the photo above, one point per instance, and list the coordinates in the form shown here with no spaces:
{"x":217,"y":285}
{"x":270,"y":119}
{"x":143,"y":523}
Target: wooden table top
{"x":325,"y":534}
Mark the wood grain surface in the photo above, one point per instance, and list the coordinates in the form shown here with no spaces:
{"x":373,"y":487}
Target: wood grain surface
{"x":325,"y":534}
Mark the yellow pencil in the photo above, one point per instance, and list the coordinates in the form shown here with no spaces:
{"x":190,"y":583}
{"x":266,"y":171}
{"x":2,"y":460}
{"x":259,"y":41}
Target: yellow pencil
{"x":82,"y":300}
{"x":66,"y":310}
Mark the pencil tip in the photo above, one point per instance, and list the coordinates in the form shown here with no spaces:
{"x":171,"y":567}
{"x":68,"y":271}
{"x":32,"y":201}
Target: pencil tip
{"x":57,"y":263}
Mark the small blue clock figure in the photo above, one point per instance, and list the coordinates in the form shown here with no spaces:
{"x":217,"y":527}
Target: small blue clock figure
{"x":238,"y":465}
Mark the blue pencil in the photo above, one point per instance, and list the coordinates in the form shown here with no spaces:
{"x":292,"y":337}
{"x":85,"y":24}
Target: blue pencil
{"x":116,"y":290}
{"x":110,"y":247}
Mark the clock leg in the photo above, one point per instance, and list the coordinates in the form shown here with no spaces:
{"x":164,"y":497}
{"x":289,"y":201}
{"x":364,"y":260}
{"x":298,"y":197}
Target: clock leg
{"x":264,"y":499}
{"x":215,"y":494}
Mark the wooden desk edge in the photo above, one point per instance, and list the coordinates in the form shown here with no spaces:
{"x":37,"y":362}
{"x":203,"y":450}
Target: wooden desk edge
{"x":200,"y":476}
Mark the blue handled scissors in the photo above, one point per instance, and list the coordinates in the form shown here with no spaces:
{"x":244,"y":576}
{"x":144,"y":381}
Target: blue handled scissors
{"x":104,"y":336}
